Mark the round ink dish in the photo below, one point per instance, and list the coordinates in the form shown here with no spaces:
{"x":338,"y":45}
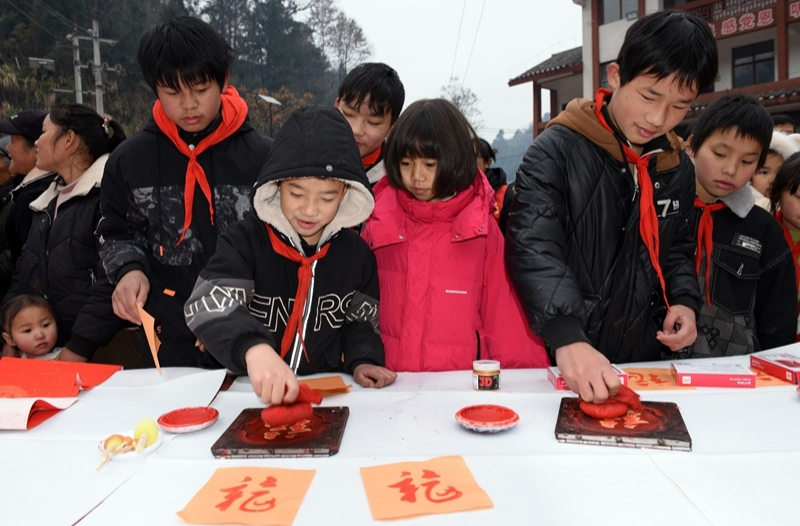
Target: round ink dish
{"x":188,"y":419}
{"x":487,"y":418}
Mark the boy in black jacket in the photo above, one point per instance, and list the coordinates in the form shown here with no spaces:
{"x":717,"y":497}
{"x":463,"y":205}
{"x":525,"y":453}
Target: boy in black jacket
{"x":172,"y":188}
{"x":371,"y":97}
{"x":743,"y":262}
{"x":291,"y":289}
{"x":599,"y":247}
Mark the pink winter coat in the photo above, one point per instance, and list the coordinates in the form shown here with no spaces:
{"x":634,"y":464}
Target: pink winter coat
{"x":445,"y":297}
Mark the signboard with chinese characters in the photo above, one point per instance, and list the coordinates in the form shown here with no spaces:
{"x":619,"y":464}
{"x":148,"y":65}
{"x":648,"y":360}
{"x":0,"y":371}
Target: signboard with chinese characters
{"x":249,"y":495}
{"x":794,"y":10}
{"x":407,"y":489}
{"x":744,"y":23}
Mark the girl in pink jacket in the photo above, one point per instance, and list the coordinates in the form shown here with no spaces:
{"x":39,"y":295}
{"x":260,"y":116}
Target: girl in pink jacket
{"x":445,"y":296}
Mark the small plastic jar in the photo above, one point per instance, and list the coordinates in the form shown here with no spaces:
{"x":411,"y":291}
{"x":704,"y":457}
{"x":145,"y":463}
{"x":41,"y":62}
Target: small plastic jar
{"x":486,"y":375}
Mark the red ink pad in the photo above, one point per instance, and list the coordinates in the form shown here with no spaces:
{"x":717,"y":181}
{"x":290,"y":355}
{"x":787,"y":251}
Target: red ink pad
{"x":487,"y":418}
{"x":188,"y":419}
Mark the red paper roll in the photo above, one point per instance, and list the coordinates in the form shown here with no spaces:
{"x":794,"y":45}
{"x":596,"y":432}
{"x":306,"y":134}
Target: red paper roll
{"x":308,"y":395}
{"x":283,"y":415}
{"x":615,"y":406}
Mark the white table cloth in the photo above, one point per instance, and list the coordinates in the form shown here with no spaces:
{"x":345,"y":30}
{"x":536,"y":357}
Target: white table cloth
{"x":744,"y":467}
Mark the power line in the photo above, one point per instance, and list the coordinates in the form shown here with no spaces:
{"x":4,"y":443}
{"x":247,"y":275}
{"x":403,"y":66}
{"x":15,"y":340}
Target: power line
{"x":473,"y":43}
{"x":458,"y":38}
{"x":58,"y":15}
{"x":32,"y":19}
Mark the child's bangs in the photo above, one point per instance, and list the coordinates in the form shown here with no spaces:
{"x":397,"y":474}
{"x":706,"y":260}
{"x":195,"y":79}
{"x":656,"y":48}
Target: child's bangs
{"x":420,"y":143}
{"x":187,"y":74}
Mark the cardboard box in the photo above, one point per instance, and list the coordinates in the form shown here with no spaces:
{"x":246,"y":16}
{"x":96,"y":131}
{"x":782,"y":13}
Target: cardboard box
{"x":713,"y":375}
{"x":784,"y":366}
{"x":554,"y":375}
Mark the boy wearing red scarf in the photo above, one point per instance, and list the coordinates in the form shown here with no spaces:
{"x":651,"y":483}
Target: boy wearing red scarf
{"x":371,"y":97}
{"x":744,"y":265}
{"x":599,"y":246}
{"x":176,"y":186}
{"x":292,"y":290}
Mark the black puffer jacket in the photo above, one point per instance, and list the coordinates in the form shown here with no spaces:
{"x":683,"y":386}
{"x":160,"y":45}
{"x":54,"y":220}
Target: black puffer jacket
{"x":60,"y":259}
{"x":142,"y":202}
{"x":575,"y":252}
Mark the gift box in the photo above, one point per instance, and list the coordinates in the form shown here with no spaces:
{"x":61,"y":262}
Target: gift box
{"x":555,"y":377}
{"x":784,"y":366}
{"x":713,"y":375}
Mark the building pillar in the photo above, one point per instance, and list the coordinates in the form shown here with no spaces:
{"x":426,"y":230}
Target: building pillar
{"x":595,"y":46}
{"x":555,"y":108}
{"x":537,"y":107}
{"x":782,"y":41}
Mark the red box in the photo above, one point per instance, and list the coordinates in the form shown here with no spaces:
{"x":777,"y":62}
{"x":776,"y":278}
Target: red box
{"x":713,"y":375}
{"x":554,"y":375}
{"x":784,"y":366}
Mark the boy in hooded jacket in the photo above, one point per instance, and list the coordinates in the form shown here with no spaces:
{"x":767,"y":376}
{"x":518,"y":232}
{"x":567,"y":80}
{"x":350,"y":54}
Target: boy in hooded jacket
{"x":172,"y":188}
{"x":599,"y":248}
{"x":291,"y":289}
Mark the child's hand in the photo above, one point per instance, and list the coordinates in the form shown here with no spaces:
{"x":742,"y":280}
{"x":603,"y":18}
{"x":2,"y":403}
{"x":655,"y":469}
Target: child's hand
{"x":680,"y":328}
{"x":132,"y":290}
{"x":587,"y":372}
{"x":368,"y":375}
{"x":272,"y":379}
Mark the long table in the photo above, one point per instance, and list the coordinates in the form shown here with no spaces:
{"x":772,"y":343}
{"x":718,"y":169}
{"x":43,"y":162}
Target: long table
{"x":744,"y":467}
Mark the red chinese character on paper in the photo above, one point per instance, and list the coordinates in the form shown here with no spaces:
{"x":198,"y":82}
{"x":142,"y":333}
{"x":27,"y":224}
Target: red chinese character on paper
{"x":713,"y":29}
{"x":252,"y":504}
{"x":747,"y":21}
{"x":794,"y":10}
{"x":409,"y":489}
{"x":728,"y":26}
{"x":765,"y":17}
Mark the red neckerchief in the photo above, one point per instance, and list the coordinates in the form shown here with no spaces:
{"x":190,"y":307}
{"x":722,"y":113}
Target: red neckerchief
{"x":795,"y":248}
{"x":234,"y":112}
{"x":648,"y":220}
{"x":372,"y":158}
{"x":705,"y":241}
{"x":304,"y":275}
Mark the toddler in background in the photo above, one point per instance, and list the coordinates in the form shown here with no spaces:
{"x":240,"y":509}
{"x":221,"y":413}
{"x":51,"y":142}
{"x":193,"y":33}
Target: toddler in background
{"x":445,"y":297}
{"x":781,"y":148}
{"x":785,"y":203}
{"x":30,"y":327}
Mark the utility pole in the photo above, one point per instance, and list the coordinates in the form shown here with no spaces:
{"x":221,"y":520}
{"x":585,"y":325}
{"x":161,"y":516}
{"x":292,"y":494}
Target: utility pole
{"x":97,"y":65}
{"x":98,"y":72}
{"x":76,"y":60}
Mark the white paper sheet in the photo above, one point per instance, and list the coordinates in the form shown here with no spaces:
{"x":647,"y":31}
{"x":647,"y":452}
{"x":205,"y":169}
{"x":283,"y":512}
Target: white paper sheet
{"x":15,"y":412}
{"x":105,"y":410}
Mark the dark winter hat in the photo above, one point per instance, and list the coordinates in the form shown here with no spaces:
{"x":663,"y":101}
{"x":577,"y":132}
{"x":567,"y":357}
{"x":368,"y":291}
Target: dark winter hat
{"x":27,"y":123}
{"x":316,"y":141}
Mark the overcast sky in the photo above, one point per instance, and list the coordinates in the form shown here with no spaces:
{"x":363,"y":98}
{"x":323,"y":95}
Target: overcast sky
{"x":420,"y":39}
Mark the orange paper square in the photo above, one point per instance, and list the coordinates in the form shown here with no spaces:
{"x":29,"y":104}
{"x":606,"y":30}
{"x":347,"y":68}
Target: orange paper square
{"x":249,"y":495}
{"x":407,"y":489}
{"x":765,"y":380}
{"x":149,"y":324}
{"x":652,"y":379}
{"x":327,"y":385}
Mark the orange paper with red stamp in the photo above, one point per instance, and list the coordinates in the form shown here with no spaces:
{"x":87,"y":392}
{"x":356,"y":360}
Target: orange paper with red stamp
{"x":249,"y":495}
{"x":407,"y":489}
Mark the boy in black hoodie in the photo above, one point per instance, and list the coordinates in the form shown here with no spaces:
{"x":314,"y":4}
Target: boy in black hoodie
{"x":291,"y":289}
{"x":172,"y":188}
